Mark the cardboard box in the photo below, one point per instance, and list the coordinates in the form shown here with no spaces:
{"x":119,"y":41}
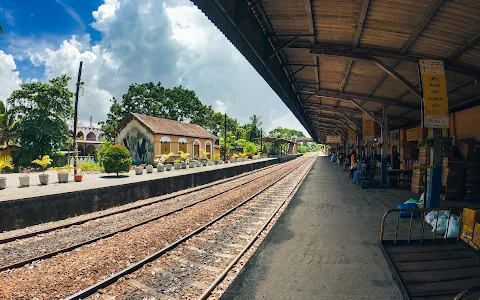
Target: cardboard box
{"x":467,"y":232}
{"x":476,"y":235}
{"x":470,"y":217}
{"x":469,"y":149}
{"x":454,"y":165}
{"x":452,"y":195}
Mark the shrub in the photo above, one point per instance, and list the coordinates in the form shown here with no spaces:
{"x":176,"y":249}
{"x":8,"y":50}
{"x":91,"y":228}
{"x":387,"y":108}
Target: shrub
{"x":44,"y":162}
{"x":90,"y":166}
{"x":5,"y":162}
{"x":115,"y":158}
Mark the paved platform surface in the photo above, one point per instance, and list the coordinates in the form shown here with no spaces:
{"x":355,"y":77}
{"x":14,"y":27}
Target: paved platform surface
{"x":92,"y":181}
{"x":325,"y":245}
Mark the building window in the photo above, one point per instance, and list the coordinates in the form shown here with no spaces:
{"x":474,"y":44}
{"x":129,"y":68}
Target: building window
{"x":208,"y":148}
{"x":165,"y":145}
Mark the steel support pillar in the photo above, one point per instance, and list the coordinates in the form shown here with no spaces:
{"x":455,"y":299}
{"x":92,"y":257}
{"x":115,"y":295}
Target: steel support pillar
{"x":385,"y":135}
{"x":433,"y":199}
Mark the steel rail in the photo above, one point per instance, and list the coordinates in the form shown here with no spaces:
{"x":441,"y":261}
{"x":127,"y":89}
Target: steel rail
{"x":222,"y":276}
{"x":164,"y":197}
{"x":113,"y":278}
{"x":24,"y":262}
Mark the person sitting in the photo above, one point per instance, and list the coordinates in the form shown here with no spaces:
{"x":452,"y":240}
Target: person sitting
{"x":346,"y":163}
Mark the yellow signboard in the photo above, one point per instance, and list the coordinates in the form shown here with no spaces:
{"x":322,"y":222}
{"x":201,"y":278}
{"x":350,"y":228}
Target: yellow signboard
{"x":352,"y":136}
{"x":412,"y":134}
{"x":368,"y":128}
{"x":334,"y":139}
{"x":435,"y":100}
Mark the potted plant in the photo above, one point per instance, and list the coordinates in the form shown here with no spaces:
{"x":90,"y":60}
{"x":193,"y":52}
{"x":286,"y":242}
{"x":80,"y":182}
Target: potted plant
{"x":204,"y":160}
{"x":43,"y":163}
{"x":5,"y":162}
{"x":192,"y":164}
{"x":216,"y":158}
{"x":162,"y":162}
{"x":24,"y":178}
{"x":184,"y":159}
{"x":78,"y":177}
{"x":139,"y":169}
{"x":62,"y":173}
{"x":234,"y":158}
{"x":177,"y":164}
{"x":149,"y":169}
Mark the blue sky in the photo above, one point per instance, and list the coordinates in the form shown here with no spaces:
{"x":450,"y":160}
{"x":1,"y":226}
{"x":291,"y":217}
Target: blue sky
{"x":127,"y":41}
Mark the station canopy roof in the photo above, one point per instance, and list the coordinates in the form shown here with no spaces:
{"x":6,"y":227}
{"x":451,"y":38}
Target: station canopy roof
{"x":331,"y":60}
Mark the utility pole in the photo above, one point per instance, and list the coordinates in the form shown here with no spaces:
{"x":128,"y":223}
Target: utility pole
{"x":75,"y":117}
{"x":225,"y":137}
{"x":261,"y":141}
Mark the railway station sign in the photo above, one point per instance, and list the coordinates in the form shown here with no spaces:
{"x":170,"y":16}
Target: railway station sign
{"x":334,"y":139}
{"x":412,"y":134}
{"x":368,"y":128}
{"x":352,"y":136}
{"x":434,"y":87}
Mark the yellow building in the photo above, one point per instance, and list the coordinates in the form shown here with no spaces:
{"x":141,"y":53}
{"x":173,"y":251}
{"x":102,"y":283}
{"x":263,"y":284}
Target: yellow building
{"x":146,"y":137}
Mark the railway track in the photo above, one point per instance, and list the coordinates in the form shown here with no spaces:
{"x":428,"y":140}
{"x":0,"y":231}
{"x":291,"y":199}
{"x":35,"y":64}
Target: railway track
{"x":194,"y":265}
{"x":36,"y":252}
{"x":24,"y":235}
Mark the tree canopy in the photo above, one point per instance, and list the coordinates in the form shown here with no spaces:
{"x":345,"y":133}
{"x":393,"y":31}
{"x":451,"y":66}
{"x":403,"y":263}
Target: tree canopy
{"x":44,"y":110}
{"x":285,"y":133}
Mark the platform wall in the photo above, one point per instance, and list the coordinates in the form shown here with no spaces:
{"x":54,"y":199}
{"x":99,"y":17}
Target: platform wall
{"x":31,"y":211}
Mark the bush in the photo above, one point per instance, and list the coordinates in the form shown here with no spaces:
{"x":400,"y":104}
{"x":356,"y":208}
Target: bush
{"x":302,"y":149}
{"x":89,"y":166}
{"x":115,"y":158}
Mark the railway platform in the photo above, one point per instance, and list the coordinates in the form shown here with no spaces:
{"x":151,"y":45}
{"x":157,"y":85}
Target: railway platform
{"x":325,"y":245}
{"x":37,"y":204}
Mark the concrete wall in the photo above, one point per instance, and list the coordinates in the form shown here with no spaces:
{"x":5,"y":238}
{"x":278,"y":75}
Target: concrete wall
{"x":31,"y":211}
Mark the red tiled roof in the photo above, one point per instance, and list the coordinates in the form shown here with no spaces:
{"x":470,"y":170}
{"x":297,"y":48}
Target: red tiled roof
{"x":171,"y":127}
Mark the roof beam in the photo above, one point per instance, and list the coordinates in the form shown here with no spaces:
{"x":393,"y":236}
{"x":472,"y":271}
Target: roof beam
{"x":311,"y":29}
{"x":416,"y":32}
{"x":283,"y":47}
{"x":293,"y":74}
{"x":366,"y":112}
{"x":464,"y":48}
{"x":368,"y":53}
{"x":391,"y":71}
{"x":356,"y":39}
{"x":349,"y":96}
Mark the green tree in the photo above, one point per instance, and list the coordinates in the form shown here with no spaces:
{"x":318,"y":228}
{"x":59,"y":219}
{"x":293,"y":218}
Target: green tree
{"x":155,"y":100}
{"x":285,"y":133}
{"x":302,"y":148}
{"x":8,"y":127}
{"x":254,"y":127}
{"x":114,"y":158}
{"x":45,"y":109}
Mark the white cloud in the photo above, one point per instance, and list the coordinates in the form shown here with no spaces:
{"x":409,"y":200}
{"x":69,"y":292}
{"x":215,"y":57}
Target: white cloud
{"x":9,"y":80}
{"x":286,"y":121}
{"x":170,"y":41}
{"x":220,"y":106}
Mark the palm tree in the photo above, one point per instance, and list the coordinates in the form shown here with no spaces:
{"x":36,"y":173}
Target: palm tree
{"x":8,"y":128}
{"x":255,"y":124}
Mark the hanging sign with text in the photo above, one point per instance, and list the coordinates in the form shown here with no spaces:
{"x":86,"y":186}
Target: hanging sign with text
{"x":334,"y":139}
{"x":412,"y":134}
{"x":368,"y":128}
{"x":434,"y":86}
{"x":352,"y":136}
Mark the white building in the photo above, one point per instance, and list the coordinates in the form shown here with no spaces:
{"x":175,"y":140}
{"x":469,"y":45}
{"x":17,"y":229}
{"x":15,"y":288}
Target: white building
{"x":89,"y":139}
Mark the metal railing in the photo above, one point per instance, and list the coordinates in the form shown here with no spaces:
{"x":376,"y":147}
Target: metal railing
{"x":424,"y":212}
